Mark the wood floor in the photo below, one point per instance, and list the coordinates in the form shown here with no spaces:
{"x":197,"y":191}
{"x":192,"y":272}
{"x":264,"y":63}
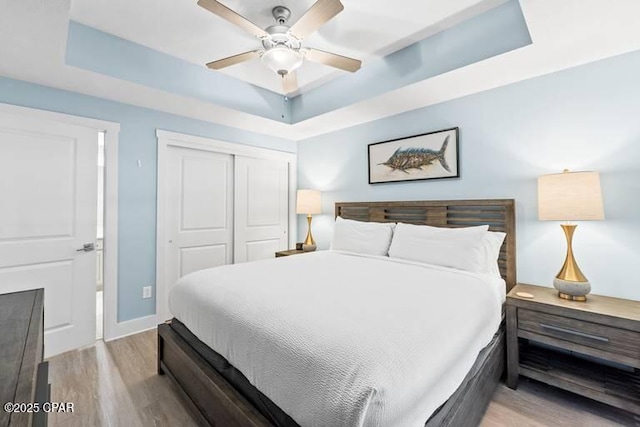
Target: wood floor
{"x":115,"y":384}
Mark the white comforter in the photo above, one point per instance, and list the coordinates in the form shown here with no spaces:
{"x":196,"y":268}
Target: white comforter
{"x":336,"y":339}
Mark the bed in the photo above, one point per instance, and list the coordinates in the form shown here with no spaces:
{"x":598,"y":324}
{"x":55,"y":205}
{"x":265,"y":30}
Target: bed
{"x":226,"y":394}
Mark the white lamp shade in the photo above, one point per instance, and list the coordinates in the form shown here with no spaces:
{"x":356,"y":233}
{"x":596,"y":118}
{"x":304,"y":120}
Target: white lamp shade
{"x":570,"y":196}
{"x":309,"y":202}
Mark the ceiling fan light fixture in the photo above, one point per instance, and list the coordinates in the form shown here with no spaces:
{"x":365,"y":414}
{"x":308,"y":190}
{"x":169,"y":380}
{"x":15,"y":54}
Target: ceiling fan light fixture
{"x":282,"y":59}
{"x":282,"y":49}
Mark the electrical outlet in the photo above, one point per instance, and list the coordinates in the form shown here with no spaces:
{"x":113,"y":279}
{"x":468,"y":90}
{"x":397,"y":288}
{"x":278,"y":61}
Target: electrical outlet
{"x":146,"y":292}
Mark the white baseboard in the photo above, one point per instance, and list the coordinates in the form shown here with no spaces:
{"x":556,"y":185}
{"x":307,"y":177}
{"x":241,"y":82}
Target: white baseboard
{"x":130,"y":327}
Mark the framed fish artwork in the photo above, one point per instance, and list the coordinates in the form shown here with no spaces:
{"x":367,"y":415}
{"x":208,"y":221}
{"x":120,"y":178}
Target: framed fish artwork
{"x":432,"y":155}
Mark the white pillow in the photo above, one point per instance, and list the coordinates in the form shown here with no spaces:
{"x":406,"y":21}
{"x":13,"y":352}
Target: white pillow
{"x":491,"y":243}
{"x":368,"y":238}
{"x":428,"y":232}
{"x":461,"y":248}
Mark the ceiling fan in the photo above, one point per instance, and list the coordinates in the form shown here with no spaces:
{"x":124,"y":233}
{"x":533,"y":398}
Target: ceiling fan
{"x":282,"y":49}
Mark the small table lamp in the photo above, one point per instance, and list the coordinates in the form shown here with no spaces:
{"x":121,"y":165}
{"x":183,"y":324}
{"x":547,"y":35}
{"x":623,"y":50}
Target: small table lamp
{"x":309,"y":202}
{"x":570,"y":196}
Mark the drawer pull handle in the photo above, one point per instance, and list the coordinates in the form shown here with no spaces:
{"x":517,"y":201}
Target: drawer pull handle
{"x":572,"y":332}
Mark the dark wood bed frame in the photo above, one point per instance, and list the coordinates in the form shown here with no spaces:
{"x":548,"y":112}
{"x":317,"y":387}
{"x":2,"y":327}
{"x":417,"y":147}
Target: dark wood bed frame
{"x":213,"y":401}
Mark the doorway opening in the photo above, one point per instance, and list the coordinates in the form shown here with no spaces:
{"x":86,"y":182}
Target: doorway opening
{"x":100,"y":241}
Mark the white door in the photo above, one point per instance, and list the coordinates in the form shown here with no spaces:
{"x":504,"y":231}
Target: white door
{"x":199,"y":213}
{"x":48,"y":204}
{"x":261,"y":204}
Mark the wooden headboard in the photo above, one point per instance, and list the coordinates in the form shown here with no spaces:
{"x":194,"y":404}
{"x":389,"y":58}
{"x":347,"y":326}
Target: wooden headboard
{"x":499,"y":214}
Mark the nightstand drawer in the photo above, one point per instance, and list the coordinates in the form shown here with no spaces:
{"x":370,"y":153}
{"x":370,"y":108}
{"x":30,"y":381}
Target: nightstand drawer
{"x":593,"y":335}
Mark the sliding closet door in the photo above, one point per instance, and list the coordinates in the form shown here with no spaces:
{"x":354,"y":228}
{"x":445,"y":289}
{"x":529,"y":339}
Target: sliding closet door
{"x":261,"y":208}
{"x":199,"y":212}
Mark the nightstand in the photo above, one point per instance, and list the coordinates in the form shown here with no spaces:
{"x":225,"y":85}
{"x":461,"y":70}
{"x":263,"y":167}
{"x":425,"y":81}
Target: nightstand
{"x":590,"y":348}
{"x":289,"y":252}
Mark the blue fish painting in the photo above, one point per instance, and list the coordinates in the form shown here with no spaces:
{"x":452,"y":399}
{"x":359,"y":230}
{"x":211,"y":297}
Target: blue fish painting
{"x":417,"y":158}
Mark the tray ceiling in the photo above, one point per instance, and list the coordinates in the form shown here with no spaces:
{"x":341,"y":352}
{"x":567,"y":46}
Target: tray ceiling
{"x":35,"y":36}
{"x":366,"y":29}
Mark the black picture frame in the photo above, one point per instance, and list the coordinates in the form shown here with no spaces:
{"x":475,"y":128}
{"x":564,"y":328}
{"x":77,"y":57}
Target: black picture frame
{"x":432,"y":155}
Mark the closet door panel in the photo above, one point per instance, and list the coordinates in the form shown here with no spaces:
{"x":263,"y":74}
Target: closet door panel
{"x":261,"y":208}
{"x":199,"y":212}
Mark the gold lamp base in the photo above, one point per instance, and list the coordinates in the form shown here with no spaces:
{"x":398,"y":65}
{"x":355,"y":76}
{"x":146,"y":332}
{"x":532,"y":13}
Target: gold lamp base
{"x":570,"y":282}
{"x":309,"y":245}
{"x":581,"y":298}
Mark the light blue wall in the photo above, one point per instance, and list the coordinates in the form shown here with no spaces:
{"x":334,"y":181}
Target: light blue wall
{"x":137,"y":186}
{"x":104,"y":53}
{"x":492,"y":33}
{"x":586,"y":118}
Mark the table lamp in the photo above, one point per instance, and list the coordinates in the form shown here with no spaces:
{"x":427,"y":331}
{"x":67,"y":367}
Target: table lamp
{"x":308,"y":202}
{"x":570,"y":196}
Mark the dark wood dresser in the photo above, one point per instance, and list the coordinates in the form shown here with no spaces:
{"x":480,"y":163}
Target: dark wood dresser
{"x":23,"y":374}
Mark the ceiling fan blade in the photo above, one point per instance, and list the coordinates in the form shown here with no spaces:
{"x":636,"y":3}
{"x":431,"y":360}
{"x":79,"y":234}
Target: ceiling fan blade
{"x":321,"y":12}
{"x":290,"y":83}
{"x":224,"y":12}
{"x":233,"y":60}
{"x":333,"y":60}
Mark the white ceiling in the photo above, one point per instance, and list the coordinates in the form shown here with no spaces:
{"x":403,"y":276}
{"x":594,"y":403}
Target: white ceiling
{"x":366,"y":29}
{"x":567,"y":33}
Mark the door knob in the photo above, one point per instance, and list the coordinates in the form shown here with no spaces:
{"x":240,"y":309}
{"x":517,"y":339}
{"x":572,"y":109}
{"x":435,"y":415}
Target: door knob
{"x":87,"y":247}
